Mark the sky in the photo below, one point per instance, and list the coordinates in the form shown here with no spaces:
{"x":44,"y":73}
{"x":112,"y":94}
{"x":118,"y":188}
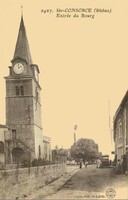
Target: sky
{"x":83,"y":65}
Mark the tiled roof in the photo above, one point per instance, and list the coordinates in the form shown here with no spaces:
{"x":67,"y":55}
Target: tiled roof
{"x":123,"y":102}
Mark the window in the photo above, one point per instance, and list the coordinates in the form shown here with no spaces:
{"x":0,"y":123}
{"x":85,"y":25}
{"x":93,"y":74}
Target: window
{"x":119,"y":152}
{"x":1,"y":148}
{"x":13,"y":134}
{"x":17,"y":90}
{"x":120,"y":130}
{"x":21,"y":90}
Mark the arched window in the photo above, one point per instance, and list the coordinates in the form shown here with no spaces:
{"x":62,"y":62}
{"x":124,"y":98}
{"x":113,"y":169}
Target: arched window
{"x":21,"y":90}
{"x":13,"y":134}
{"x":17,"y":90}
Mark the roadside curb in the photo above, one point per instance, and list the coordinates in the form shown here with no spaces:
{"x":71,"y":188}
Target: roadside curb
{"x":52,"y":187}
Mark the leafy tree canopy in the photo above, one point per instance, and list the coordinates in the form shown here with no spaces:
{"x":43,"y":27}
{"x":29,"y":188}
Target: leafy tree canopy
{"x":85,"y":149}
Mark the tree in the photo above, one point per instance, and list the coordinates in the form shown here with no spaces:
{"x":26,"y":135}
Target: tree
{"x":85,"y":149}
{"x":59,"y":154}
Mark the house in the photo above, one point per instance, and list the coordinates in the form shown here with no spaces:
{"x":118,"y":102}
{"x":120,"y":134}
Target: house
{"x":47,"y":155}
{"x":120,"y":130}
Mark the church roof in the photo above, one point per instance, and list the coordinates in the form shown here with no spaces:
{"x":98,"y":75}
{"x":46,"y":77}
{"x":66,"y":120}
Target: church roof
{"x":22,"y":49}
{"x":2,"y":126}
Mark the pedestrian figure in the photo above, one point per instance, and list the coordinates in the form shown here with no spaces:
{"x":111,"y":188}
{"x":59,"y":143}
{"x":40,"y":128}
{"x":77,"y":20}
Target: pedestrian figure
{"x":86,"y":164}
{"x":98,"y":163}
{"x":124,"y":164}
{"x":118,"y":167}
{"x":110,"y":162}
{"x":121,"y":165}
{"x":80,"y":164}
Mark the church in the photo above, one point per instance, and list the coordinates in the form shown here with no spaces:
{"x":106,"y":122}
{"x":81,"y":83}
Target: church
{"x":23,"y":134}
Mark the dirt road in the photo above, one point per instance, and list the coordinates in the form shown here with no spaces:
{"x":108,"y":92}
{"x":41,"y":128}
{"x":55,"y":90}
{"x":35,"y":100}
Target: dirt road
{"x":93,"y":183}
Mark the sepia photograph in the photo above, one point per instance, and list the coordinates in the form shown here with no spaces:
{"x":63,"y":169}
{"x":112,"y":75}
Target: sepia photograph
{"x":64,"y":100}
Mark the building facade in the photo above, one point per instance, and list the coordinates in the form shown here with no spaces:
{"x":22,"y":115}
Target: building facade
{"x":47,"y":148}
{"x":120,"y":129}
{"x":23,"y":104}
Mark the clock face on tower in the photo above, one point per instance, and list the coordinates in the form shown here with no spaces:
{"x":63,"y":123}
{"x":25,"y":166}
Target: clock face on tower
{"x":18,"y":68}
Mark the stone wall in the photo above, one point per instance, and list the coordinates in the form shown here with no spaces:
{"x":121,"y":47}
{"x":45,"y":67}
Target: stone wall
{"x":17,"y":184}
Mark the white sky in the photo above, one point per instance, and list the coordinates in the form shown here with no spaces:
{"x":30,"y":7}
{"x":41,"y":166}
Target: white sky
{"x":83,"y":64}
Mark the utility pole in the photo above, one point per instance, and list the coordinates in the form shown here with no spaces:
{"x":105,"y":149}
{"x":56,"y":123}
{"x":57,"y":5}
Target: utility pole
{"x":75,"y":128}
{"x":110,"y":129}
{"x":4,"y":152}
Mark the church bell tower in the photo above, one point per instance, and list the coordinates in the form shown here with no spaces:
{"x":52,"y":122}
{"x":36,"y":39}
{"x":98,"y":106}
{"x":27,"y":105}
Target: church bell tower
{"x":23,"y":102}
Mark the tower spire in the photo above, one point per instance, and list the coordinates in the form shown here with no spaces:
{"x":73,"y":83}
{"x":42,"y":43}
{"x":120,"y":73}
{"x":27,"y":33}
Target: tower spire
{"x":21,"y":11}
{"x":22,"y":49}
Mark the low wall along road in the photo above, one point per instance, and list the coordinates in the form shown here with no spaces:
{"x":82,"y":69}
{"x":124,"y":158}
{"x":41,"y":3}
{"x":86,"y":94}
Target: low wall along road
{"x":19,"y":183}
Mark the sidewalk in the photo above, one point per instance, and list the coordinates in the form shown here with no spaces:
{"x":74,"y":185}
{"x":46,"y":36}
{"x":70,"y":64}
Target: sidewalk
{"x":54,"y":186}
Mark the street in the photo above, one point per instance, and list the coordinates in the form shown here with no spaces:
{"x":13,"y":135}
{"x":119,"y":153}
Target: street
{"x":93,"y":183}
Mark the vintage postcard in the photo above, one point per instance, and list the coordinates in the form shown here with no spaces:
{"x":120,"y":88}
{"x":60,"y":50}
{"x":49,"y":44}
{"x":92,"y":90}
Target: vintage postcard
{"x":64,"y":99}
